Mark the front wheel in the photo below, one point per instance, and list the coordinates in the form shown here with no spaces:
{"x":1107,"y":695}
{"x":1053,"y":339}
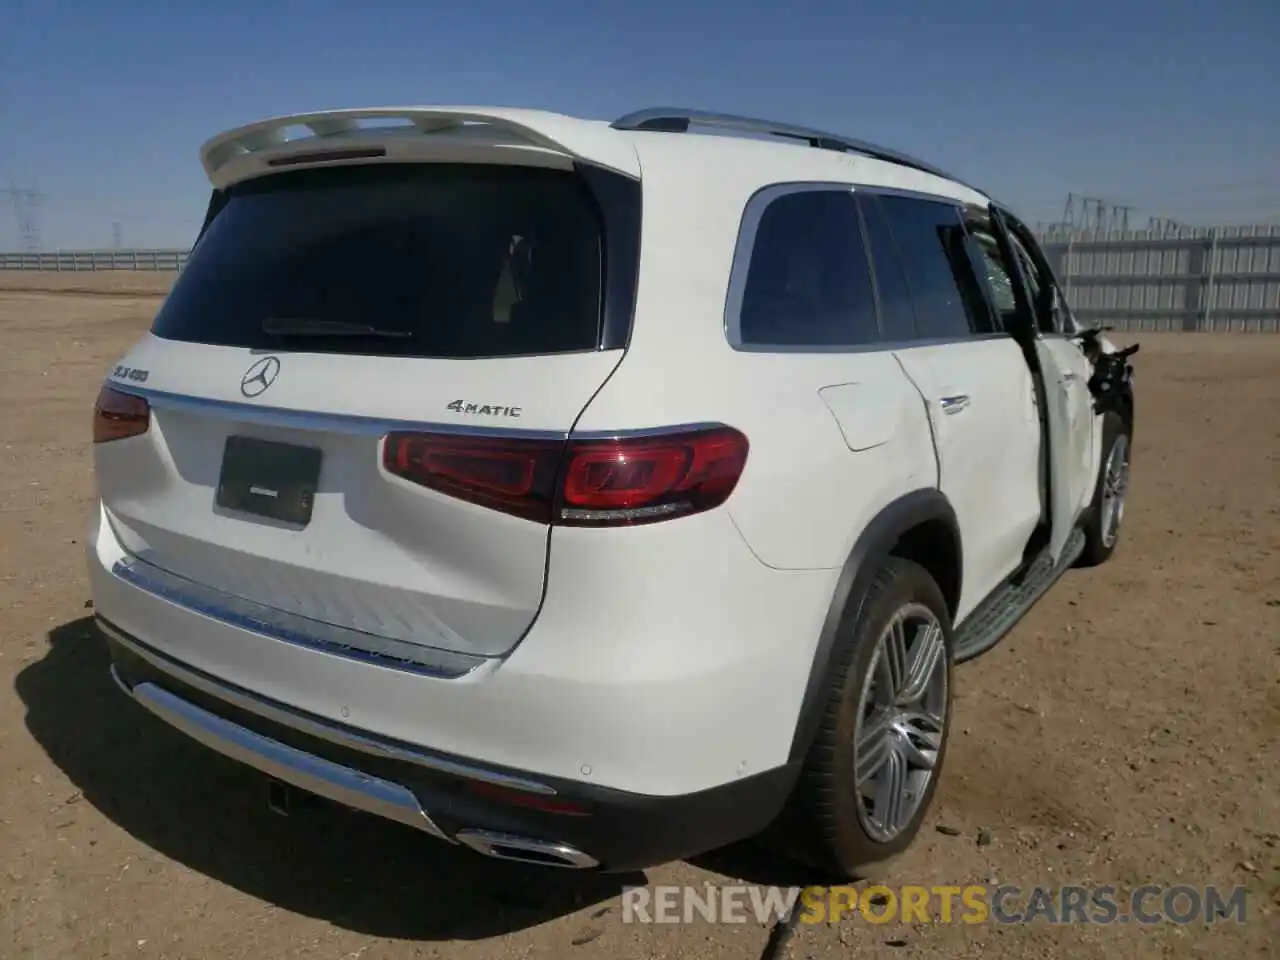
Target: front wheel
{"x":1106,"y":512}
{"x":872,"y":770}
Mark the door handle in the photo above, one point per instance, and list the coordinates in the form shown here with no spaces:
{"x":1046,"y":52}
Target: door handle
{"x":952,"y":405}
{"x":1070,"y":377}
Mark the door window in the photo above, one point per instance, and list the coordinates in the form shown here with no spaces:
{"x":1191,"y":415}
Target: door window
{"x":989,"y":260}
{"x":945,"y":293}
{"x":897,"y":313}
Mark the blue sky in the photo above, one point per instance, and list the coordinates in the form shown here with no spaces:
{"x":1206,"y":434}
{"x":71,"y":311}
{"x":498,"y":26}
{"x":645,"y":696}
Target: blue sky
{"x":1172,"y":106}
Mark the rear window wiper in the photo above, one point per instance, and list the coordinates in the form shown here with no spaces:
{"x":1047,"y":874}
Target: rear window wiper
{"x":304,"y":327}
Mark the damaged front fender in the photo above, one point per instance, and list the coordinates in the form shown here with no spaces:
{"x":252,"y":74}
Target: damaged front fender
{"x":1111,"y":382}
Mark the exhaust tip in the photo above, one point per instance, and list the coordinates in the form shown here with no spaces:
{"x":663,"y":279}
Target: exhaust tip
{"x":507,"y":846}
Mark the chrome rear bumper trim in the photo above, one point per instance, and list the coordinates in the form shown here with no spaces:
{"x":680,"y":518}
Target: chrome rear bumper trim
{"x":293,"y":628}
{"x":314,"y":727}
{"x":303,"y":770}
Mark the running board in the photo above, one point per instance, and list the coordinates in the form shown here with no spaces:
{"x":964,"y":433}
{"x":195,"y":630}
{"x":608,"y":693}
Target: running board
{"x":999,"y":613}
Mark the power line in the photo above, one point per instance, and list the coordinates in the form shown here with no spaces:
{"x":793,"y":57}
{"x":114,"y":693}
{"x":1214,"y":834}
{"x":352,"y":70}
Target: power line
{"x":1093,"y":213}
{"x":1087,"y":214}
{"x":1164,"y":225}
{"x":26,"y":205}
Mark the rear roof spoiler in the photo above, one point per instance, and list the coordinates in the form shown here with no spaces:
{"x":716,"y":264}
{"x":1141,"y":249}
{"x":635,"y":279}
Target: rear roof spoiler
{"x":583,"y":140}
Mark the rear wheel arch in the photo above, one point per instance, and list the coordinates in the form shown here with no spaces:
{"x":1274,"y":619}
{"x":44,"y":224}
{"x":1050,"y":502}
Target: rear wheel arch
{"x":935,"y":545}
{"x":920,"y":526}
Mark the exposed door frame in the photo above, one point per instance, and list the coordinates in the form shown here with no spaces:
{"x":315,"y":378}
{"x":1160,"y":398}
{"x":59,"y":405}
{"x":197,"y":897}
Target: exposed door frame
{"x":1025,"y":332}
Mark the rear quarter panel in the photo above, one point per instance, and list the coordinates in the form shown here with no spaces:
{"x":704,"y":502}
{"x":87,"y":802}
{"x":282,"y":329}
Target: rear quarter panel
{"x":810,"y":485}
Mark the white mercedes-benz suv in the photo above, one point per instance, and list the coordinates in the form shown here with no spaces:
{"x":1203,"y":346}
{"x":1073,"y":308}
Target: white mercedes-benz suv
{"x":595,"y":494}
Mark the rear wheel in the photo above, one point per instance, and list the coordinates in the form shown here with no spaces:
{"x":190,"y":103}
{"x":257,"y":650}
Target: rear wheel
{"x":872,"y":770}
{"x":1106,"y":512}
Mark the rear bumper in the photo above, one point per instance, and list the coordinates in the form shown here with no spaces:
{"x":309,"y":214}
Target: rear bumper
{"x":499,"y":812}
{"x":647,"y":676}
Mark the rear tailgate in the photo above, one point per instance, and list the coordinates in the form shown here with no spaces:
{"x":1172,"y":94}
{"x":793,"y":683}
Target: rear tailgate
{"x":321,"y":310}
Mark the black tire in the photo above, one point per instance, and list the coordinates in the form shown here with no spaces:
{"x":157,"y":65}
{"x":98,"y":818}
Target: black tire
{"x":821,"y":823}
{"x":1098,"y":546}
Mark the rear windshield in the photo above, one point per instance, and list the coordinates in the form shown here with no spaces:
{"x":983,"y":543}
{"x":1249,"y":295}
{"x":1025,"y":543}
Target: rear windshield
{"x":417,"y":260}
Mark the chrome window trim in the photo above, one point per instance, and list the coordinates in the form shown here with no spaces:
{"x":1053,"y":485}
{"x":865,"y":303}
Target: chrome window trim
{"x":304,"y":723}
{"x":879,"y":347}
{"x":908,"y":194}
{"x":945,"y":341}
{"x":747,"y":230}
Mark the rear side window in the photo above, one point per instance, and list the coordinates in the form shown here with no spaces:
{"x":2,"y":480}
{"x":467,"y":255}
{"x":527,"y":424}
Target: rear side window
{"x":450,"y":261}
{"x":808,"y":283}
{"x":930,"y":238}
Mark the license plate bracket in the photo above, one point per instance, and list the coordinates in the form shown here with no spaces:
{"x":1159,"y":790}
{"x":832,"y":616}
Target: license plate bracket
{"x":269,"y":479}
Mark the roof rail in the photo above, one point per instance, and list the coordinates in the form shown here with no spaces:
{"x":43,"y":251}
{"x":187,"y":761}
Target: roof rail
{"x":679,"y":120}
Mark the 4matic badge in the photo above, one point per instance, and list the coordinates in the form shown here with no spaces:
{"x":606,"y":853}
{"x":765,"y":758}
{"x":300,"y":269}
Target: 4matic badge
{"x":483,"y":409}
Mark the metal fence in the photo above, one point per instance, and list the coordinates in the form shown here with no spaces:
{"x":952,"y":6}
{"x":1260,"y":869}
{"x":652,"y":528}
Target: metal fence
{"x":1208,"y":279}
{"x":75,"y":261}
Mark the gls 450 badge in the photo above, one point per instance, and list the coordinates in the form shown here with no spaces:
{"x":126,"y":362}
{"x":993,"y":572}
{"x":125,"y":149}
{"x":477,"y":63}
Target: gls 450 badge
{"x":483,"y":409}
{"x":130,"y":373}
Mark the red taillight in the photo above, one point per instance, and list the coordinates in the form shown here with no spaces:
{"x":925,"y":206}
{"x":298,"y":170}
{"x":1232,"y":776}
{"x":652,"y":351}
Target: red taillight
{"x":117,"y":415}
{"x":641,"y":479}
{"x":514,"y":476}
{"x":624,"y":480}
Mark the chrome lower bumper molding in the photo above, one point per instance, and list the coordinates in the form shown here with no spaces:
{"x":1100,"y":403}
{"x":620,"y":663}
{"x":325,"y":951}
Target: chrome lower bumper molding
{"x":315,"y":727}
{"x":314,"y":774}
{"x":303,"y":770}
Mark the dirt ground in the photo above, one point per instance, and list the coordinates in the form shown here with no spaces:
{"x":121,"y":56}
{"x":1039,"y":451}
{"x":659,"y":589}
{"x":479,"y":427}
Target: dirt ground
{"x":1125,"y":733}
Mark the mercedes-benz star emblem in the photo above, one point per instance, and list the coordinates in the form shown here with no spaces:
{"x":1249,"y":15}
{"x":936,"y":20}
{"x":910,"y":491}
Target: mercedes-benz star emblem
{"x":260,"y":376}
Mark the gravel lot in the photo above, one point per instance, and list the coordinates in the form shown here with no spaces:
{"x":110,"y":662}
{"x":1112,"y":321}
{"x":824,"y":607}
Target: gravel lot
{"x":1126,"y":732}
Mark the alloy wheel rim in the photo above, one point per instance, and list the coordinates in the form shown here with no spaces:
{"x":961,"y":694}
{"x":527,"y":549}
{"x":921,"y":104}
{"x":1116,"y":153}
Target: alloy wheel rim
{"x":901,"y":722}
{"x":1115,"y":486}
